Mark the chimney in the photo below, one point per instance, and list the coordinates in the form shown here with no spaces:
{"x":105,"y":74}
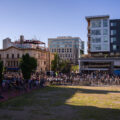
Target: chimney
{"x":21,"y":39}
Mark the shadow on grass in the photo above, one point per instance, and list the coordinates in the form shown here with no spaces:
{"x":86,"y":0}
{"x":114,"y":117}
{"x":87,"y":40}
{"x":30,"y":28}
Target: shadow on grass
{"x":52,"y":101}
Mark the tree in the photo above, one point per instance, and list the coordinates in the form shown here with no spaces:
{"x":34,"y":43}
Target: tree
{"x":60,"y":65}
{"x":75,"y":68}
{"x":55,"y":65}
{"x":1,"y":71}
{"x":65,"y":66}
{"x":28,"y":65}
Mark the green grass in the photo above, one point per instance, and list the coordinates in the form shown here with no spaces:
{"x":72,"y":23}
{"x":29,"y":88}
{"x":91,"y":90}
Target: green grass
{"x":63,"y":103}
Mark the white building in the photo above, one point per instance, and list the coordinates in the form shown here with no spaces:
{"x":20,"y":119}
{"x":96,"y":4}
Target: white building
{"x":98,"y":34}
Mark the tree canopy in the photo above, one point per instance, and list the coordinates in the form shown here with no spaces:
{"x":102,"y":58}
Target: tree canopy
{"x":28,"y":65}
{"x":59,"y":65}
{"x":55,"y":65}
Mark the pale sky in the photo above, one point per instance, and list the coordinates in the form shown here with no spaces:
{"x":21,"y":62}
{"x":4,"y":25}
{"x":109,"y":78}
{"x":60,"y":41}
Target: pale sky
{"x":43,"y":19}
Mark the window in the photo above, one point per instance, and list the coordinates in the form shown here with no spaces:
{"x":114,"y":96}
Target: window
{"x":70,"y":50}
{"x":105,"y":39}
{"x":7,"y":56}
{"x":95,"y":40}
{"x":63,"y":50}
{"x":113,"y":24}
{"x":105,"y":23}
{"x":105,"y":32}
{"x":96,"y":47}
{"x":105,"y":47}
{"x":114,"y":47}
{"x":95,"y":23}
{"x":113,"y":39}
{"x":95,"y":32}
{"x":8,"y":63}
{"x":14,"y":63}
{"x":113,"y":32}
{"x":59,"y":50}
{"x":67,"y":50}
{"x":17,"y":63}
{"x":18,"y":56}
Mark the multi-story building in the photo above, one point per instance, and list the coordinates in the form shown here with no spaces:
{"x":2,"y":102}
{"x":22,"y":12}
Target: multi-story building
{"x":68,"y":48}
{"x":115,"y":36}
{"x":98,"y":34}
{"x":103,"y":45}
{"x":12,"y":53}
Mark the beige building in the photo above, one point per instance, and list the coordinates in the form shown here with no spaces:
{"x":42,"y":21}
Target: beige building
{"x":11,"y":57}
{"x":67,"y":47}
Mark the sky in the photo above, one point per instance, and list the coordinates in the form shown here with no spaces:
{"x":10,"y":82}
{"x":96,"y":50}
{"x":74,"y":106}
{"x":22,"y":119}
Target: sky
{"x":43,"y":19}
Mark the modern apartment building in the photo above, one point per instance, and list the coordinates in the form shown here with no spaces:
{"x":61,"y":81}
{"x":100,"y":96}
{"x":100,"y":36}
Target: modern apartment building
{"x":13,"y":51}
{"x":115,"y":36}
{"x":68,"y":48}
{"x":98,"y":34}
{"x":103,"y":45}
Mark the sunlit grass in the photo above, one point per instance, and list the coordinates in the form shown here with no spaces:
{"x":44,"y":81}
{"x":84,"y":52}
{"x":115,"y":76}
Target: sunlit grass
{"x":110,"y":99}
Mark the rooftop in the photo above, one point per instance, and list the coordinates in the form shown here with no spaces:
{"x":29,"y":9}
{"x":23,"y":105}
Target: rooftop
{"x":64,"y":37}
{"x":96,"y":17}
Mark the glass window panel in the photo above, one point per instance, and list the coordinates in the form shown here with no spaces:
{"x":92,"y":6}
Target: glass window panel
{"x":105,"y":32}
{"x":113,"y":39}
{"x":95,"y":23}
{"x":114,"y":47}
{"x":113,"y":24}
{"x":113,"y":32}
{"x":95,"y":32}
{"x":95,"y":40}
{"x":105,"y":39}
{"x":105,"y":47}
{"x":105,"y":23}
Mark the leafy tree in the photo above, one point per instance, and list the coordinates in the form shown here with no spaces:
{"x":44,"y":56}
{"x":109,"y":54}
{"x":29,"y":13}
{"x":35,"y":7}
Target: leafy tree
{"x":1,"y":71}
{"x":55,"y":65}
{"x":28,"y":65}
{"x":59,"y":65}
{"x":75,"y":68}
{"x":65,"y":66}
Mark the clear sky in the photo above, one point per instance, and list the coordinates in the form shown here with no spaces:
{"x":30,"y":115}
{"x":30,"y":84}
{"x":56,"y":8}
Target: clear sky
{"x":43,"y":19}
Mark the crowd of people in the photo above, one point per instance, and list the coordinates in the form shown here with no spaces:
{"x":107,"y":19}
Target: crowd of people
{"x":92,"y":79}
{"x":14,"y":80}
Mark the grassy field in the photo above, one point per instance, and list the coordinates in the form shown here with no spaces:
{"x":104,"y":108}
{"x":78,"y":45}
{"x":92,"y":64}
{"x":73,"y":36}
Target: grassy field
{"x":64,"y":103}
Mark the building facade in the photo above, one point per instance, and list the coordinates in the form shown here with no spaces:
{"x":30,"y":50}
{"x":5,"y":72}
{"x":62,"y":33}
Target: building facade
{"x":103,"y":45}
{"x":98,"y":34}
{"x":68,"y":48}
{"x":115,"y":36}
{"x":11,"y":55}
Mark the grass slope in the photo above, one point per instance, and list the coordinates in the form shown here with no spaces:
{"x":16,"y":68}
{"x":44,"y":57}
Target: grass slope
{"x":64,"y":103}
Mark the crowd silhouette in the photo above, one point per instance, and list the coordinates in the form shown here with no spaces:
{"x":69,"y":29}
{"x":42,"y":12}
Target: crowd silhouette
{"x":14,"y":81}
